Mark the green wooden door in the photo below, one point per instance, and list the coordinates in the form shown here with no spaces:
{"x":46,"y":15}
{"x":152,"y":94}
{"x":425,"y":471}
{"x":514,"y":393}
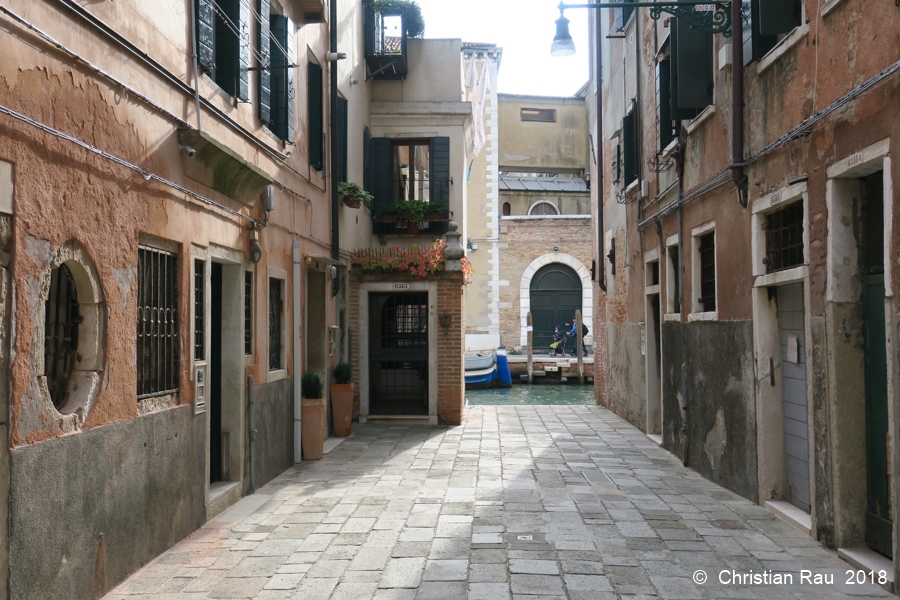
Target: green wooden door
{"x":878,"y":514}
{"x":555,"y":296}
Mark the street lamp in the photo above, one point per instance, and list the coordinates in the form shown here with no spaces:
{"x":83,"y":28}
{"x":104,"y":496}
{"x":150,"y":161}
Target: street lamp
{"x":711,"y":17}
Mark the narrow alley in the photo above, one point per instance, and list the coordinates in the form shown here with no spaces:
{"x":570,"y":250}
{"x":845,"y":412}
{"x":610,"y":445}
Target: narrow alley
{"x":522,"y":502}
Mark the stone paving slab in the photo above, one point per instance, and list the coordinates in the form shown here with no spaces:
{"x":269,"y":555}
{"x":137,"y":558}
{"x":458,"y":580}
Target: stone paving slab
{"x":538,"y":502}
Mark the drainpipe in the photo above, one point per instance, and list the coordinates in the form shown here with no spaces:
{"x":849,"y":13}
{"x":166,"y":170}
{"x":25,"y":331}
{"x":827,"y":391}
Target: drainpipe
{"x":252,"y":425}
{"x":298,"y":403}
{"x":601,"y":268}
{"x":737,"y":107}
{"x":193,"y":27}
{"x":335,"y":200}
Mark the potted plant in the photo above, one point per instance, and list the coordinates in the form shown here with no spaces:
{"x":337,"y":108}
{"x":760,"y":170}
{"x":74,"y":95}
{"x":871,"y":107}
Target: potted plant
{"x":312,"y":415}
{"x":353,"y":196}
{"x":342,"y":398}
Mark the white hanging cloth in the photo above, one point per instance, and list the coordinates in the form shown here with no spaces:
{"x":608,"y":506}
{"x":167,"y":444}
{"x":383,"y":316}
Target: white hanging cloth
{"x":485,"y":83}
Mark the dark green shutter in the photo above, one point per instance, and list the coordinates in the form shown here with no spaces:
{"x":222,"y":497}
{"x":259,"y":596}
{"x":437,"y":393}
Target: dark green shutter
{"x":316,"y":126}
{"x":622,"y":15}
{"x":663,"y":101}
{"x":617,"y":163}
{"x":380,"y":155}
{"x":243,"y":91}
{"x":778,"y":16}
{"x":206,"y":34}
{"x":290,"y":99}
{"x":228,"y":51}
{"x":367,"y":161}
{"x":629,"y":160}
{"x":340,"y":117}
{"x":691,"y":73}
{"x":440,"y":170}
{"x":756,"y":45}
{"x":278,"y":78}
{"x":264,"y":82}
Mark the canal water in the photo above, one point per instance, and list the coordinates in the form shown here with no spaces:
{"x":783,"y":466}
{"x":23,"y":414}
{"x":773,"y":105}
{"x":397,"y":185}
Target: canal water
{"x":521,"y":395}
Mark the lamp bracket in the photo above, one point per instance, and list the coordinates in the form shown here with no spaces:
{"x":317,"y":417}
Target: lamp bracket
{"x":709,"y":17}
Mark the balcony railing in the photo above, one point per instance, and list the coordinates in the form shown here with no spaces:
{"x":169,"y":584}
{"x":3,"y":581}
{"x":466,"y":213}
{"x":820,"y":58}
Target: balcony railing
{"x":385,"y":41}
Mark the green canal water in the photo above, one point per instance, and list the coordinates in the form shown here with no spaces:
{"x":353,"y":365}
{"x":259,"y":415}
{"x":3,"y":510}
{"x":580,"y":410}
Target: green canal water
{"x":521,"y":395}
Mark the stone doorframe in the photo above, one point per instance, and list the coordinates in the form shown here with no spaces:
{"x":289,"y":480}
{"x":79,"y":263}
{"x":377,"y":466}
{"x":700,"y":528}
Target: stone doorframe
{"x":587,"y":292}
{"x":767,"y":344}
{"x":417,"y":286}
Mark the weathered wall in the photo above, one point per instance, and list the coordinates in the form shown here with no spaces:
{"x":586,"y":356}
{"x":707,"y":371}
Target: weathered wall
{"x":565,"y":203}
{"x":528,"y":146}
{"x":451,"y":347}
{"x":87,"y":510}
{"x":435,"y":74}
{"x":626,"y":392}
{"x":273,"y":413}
{"x":721,"y":405}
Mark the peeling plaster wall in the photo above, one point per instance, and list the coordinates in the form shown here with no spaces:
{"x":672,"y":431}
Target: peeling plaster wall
{"x":273,"y":405}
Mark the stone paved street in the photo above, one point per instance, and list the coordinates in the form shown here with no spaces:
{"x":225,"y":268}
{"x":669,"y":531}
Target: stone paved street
{"x":519,"y":502}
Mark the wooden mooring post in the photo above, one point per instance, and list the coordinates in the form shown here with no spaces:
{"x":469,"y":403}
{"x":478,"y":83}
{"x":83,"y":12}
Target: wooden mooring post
{"x":530,"y":334}
{"x":579,"y":346}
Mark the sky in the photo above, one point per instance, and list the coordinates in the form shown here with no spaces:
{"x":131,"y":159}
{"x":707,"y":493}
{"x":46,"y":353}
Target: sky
{"x":524,"y":29}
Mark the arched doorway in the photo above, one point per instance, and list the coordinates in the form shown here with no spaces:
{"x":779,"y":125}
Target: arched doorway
{"x":555,"y":296}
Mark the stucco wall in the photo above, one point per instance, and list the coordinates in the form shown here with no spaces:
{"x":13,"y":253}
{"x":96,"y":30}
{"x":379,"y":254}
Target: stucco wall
{"x":560,"y":147}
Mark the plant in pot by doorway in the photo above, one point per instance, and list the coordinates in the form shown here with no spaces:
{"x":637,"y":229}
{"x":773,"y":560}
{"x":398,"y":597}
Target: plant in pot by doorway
{"x":342,"y":398}
{"x":353,"y":196}
{"x":312,"y":415}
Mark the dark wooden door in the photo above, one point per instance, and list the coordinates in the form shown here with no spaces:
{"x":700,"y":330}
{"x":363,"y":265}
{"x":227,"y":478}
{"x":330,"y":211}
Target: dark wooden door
{"x":555,"y":296}
{"x":398,"y":353}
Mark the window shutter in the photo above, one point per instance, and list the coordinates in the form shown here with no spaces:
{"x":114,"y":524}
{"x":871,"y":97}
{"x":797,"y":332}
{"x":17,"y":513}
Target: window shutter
{"x":291,"y":80}
{"x":756,"y":45}
{"x":264,"y":82}
{"x":617,"y":163}
{"x":778,"y":16}
{"x":228,"y":65}
{"x":380,"y":156}
{"x":691,"y":81}
{"x":206,"y":36}
{"x":629,"y":158}
{"x":278,"y":77}
{"x":368,"y":183}
{"x":440,"y":170}
{"x":663,"y":102}
{"x":243,"y":82}
{"x":341,"y":122}
{"x":622,"y":15}
{"x":316,"y":130}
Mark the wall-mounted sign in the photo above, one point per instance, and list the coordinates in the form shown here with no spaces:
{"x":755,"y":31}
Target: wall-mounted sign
{"x":401,"y":286}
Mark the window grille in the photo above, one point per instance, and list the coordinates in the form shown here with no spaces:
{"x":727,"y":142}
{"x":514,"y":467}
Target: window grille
{"x":157,"y":323}
{"x":543,"y":208}
{"x":784,"y":238}
{"x":276,"y":308}
{"x":248,"y":312}
{"x":708,"y":272}
{"x":61,"y":331}
{"x":199,"y":304}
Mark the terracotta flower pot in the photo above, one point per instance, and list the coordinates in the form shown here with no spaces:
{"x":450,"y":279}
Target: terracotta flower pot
{"x":351,"y":202}
{"x":342,"y":407}
{"x":312,"y":429}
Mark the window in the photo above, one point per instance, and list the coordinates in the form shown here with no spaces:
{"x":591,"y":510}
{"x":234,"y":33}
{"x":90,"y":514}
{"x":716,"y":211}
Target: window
{"x":766,"y":22}
{"x":691,"y":70}
{"x":341,"y":117}
{"x":316,"y":120}
{"x":223,"y":48}
{"x":616,"y":159}
{"x":784,"y":238}
{"x":199,"y":304}
{"x":630,"y":147}
{"x":539,"y":115}
{"x":248,"y":312}
{"x":60,"y":334}
{"x":506,"y":209}
{"x":673,"y":279}
{"x":622,"y":15}
{"x":276,"y":324}
{"x":408,"y":170}
{"x":157,"y":323}
{"x":668,"y":127}
{"x":542,"y":207}
{"x":652,"y":273}
{"x":707,"y":250}
{"x":281,"y":78}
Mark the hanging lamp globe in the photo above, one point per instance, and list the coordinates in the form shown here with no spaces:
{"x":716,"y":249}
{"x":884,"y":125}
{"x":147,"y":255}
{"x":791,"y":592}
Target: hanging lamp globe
{"x":562,"y":45}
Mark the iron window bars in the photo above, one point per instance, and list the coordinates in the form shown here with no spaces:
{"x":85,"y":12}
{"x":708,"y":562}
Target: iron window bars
{"x":61,"y":334}
{"x":784,"y":238}
{"x":708,"y":272}
{"x":276,"y":308}
{"x":199,"y":304}
{"x":157,"y":323}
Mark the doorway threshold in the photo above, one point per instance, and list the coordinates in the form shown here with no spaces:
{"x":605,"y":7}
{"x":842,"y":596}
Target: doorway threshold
{"x":332,"y":443}
{"x":790,"y":513}
{"x":222,"y":494}
{"x":656,"y":437}
{"x":870,"y":561}
{"x":399,"y":419}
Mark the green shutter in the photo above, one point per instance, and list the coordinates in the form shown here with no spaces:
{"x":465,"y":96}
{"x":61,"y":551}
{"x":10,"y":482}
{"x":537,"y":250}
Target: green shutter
{"x":778,"y":16}
{"x":243,"y":91}
{"x":228,"y":51}
{"x":290,"y":78}
{"x":368,"y":183}
{"x":694,"y":65}
{"x":278,"y":78}
{"x":682,"y":74}
{"x":316,"y":125}
{"x":341,"y":138}
{"x":663,"y":102}
{"x":629,"y":160}
{"x":440,"y":170}
{"x":622,"y":15}
{"x":380,"y":156}
{"x":206,"y":36}
{"x":264,"y":82}
{"x":756,"y":45}
{"x":616,"y":166}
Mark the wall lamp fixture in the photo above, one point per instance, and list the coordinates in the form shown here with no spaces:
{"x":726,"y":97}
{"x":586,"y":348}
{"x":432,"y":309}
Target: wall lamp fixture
{"x":255,"y":248}
{"x":711,"y":17}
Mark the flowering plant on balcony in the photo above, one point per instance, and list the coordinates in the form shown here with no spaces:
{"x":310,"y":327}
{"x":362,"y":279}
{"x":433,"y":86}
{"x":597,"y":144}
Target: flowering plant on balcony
{"x":414,"y":260}
{"x":352,"y":195}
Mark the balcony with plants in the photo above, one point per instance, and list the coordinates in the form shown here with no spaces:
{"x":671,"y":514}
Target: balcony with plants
{"x":388,"y":25}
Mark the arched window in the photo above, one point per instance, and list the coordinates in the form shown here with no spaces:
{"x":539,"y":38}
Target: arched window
{"x":543,"y":208}
{"x":506,"y":209}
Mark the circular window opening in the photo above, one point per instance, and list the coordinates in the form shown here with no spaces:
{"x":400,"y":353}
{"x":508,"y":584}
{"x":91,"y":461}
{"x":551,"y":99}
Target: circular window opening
{"x":61,"y":334}
{"x":543,"y":208}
